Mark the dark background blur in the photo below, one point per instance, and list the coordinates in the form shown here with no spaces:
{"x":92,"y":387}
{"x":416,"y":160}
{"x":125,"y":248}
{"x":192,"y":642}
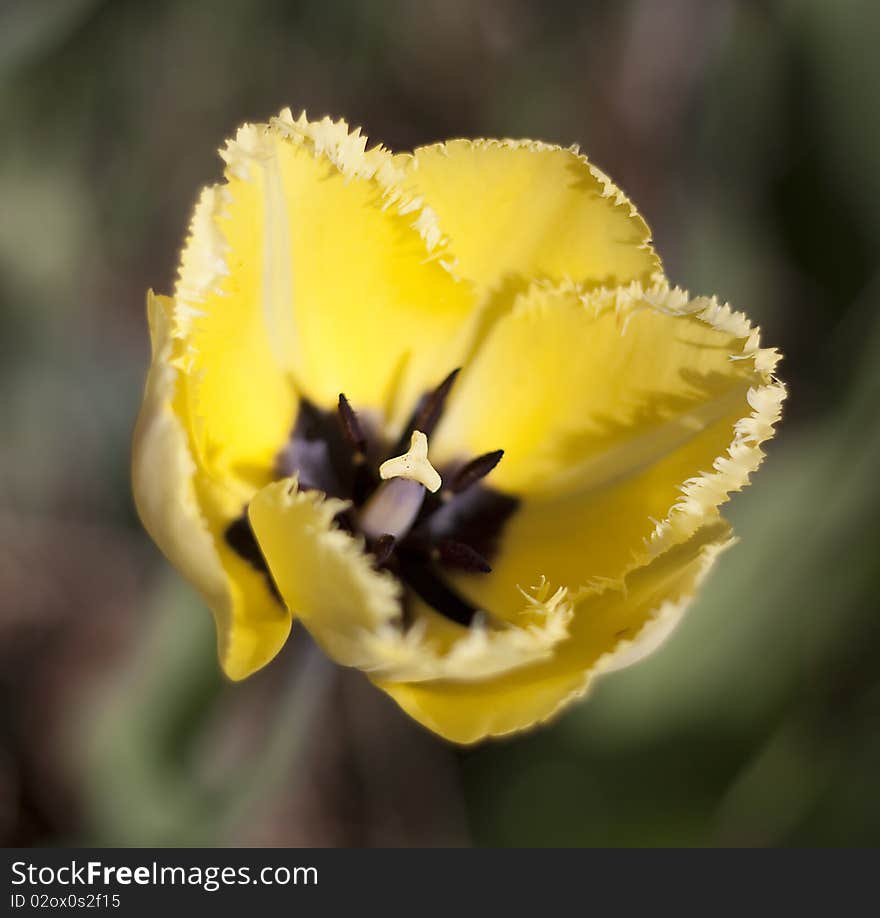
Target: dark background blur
{"x":747,"y":132}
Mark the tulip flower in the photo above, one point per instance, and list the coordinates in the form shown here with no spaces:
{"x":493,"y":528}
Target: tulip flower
{"x":444,"y":411}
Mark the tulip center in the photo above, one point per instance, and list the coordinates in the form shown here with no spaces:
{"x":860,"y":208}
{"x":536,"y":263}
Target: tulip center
{"x":419,"y":523}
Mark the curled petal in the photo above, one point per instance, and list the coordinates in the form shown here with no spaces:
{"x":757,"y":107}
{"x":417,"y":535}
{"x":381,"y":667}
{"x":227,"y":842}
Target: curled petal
{"x":434,"y":649}
{"x":323,"y":573}
{"x":179,"y":508}
{"x":354,"y":611}
{"x":163,"y":470}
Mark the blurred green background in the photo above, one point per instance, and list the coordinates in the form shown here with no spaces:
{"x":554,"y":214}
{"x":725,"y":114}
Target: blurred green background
{"x":748,"y":134}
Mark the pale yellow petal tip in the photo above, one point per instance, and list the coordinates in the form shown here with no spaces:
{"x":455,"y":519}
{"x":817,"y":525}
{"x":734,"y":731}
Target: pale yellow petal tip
{"x":483,"y":652}
{"x":413,"y":464}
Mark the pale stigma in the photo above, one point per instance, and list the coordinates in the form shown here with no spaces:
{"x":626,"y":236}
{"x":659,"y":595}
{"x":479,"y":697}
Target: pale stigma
{"x":413,"y":464}
{"x":393,"y":508}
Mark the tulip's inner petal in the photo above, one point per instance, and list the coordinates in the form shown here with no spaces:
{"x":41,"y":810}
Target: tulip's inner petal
{"x":186,"y":512}
{"x":324,"y":575}
{"x":605,"y":407}
{"x":355,"y":612}
{"x":344,"y":282}
{"x":432,"y":648}
{"x":606,"y":621}
{"x":514,"y":210}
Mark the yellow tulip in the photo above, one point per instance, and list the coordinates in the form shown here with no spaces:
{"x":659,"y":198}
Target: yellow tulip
{"x":481,"y":543}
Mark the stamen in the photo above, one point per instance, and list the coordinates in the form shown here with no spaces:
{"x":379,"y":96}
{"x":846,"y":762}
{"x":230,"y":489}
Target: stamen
{"x":474,"y":470}
{"x":461,"y":556}
{"x":476,"y":517}
{"x":413,"y":464}
{"x":383,"y":548}
{"x":317,"y":453}
{"x":429,"y":413}
{"x":420,"y":577}
{"x":351,"y":427}
{"x":429,"y":409}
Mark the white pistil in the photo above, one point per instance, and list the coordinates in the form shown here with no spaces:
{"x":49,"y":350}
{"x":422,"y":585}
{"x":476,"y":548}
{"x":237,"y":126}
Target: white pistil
{"x":392,"y":509}
{"x":396,"y":503}
{"x":413,"y":464}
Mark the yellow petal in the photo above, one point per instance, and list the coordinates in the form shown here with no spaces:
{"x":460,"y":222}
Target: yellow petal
{"x":322,"y":254}
{"x":606,"y":628}
{"x":512,"y":210}
{"x":626,"y":417}
{"x":186,"y":513}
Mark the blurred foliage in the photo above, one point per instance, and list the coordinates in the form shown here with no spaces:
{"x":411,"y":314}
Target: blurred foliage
{"x":747,"y":132}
